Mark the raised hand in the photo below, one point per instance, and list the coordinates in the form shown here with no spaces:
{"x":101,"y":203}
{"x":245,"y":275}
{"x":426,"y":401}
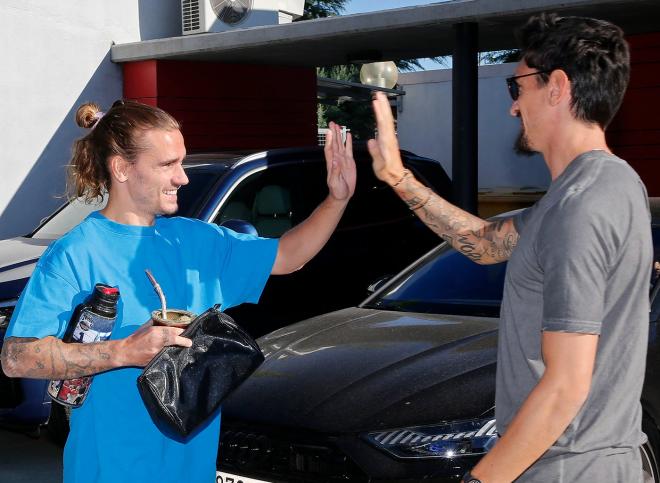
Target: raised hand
{"x":340,"y":164}
{"x":384,"y":150}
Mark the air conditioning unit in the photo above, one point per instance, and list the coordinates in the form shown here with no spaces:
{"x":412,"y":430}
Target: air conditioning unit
{"x":201,"y":16}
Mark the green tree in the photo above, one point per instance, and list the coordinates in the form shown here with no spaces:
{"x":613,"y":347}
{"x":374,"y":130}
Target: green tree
{"x":353,"y":113}
{"x":323,"y":8}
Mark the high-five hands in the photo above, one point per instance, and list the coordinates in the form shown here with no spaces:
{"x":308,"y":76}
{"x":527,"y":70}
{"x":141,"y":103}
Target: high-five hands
{"x":340,"y":164}
{"x":384,"y":150}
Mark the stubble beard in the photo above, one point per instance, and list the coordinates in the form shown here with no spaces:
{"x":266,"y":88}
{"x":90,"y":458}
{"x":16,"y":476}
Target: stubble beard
{"x":522,"y":145}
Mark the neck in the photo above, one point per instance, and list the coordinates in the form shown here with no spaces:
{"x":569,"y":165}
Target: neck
{"x":575,"y":139}
{"x":126,"y":216}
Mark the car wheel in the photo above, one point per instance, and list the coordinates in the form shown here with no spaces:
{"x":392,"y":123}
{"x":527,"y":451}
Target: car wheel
{"x":58,"y":422}
{"x":649,"y":452}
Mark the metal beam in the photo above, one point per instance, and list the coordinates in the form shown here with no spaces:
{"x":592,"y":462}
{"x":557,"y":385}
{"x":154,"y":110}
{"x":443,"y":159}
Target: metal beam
{"x":465,"y":116}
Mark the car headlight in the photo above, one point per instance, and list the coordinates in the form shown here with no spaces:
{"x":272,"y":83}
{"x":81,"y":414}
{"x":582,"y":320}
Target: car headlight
{"x":6,"y":309}
{"x":448,"y":440}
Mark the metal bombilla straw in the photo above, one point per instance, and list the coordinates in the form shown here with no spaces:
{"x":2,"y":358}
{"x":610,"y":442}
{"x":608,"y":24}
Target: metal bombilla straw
{"x":160,"y":293}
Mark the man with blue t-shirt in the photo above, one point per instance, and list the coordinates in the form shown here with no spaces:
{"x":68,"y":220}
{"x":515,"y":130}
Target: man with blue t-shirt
{"x":135,"y":153}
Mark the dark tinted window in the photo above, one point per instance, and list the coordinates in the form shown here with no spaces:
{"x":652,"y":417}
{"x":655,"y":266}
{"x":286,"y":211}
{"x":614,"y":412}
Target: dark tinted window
{"x":374,"y":203}
{"x":272,"y":200}
{"x":192,"y":195}
{"x":449,"y":283}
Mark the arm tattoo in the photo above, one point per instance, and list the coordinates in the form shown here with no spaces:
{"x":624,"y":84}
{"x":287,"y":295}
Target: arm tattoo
{"x":481,"y":241}
{"x":50,"y":358}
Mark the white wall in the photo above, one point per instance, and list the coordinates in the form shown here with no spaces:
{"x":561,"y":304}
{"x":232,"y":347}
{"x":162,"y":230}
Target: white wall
{"x":55,"y":57}
{"x":424,"y":126}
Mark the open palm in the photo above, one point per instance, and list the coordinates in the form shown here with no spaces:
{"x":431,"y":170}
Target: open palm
{"x":340,"y":163}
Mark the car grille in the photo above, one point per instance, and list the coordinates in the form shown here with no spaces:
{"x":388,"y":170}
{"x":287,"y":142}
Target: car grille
{"x":278,"y":455}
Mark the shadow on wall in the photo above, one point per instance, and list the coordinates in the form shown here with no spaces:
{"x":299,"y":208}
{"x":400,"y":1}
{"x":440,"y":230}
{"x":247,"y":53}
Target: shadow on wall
{"x":44,"y":186}
{"x":159,"y":18}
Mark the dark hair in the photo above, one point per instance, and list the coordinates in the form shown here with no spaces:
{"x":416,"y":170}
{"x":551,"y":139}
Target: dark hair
{"x":592,"y":52}
{"x":117,"y":132}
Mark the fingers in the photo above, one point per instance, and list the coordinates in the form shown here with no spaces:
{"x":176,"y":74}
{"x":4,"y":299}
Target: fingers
{"x":349,"y":145}
{"x":182,"y":341}
{"x":174,"y":337}
{"x":374,"y":151}
{"x":327,"y":149}
{"x":338,"y":142}
{"x":383,"y":113}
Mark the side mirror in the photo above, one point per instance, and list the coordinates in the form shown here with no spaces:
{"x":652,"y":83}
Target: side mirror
{"x":378,"y":283}
{"x":240,"y":226}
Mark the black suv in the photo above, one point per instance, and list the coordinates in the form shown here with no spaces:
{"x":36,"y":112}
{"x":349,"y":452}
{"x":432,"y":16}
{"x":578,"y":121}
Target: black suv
{"x":400,"y":388}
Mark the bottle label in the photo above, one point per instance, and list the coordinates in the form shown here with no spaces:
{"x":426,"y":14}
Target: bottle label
{"x":71,"y":392}
{"x":91,"y":327}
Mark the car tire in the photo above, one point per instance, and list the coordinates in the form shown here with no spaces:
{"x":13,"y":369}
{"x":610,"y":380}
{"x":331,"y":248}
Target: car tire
{"x":58,"y":423}
{"x":649,"y":452}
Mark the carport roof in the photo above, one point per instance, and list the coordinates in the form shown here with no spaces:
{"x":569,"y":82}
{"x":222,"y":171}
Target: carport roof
{"x":404,"y":33}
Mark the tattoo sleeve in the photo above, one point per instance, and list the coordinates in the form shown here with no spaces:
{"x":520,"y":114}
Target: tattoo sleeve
{"x":50,"y":358}
{"x":481,"y":241}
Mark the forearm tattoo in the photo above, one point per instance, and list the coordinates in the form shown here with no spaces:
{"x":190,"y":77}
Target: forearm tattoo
{"x":50,"y":358}
{"x":479,"y":240}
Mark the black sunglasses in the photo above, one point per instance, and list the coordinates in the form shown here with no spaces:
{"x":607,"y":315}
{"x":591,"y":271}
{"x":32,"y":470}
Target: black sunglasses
{"x":514,"y":88}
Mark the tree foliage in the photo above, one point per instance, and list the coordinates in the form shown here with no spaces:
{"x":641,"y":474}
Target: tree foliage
{"x":357,"y":114}
{"x":323,"y":8}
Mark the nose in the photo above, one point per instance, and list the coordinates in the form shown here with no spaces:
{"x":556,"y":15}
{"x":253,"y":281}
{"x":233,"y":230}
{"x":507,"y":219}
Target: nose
{"x":181,"y":179}
{"x":514,"y":110}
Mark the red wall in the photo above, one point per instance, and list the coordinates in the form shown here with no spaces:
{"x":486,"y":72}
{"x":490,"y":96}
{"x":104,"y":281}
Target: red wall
{"x":229,"y":106}
{"x":634,"y":134}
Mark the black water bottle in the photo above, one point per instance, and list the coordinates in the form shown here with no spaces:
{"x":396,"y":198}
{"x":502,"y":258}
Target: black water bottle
{"x":92,"y":321}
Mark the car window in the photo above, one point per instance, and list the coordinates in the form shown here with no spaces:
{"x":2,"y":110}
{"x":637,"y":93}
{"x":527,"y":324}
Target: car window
{"x":447,"y":283}
{"x":374,"y":203}
{"x":655,"y":276}
{"x":190,"y":197}
{"x":272,"y":200}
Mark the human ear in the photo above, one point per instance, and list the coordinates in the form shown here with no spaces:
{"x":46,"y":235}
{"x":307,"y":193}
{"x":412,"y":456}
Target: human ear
{"x":559,"y":87}
{"x":118,"y":168}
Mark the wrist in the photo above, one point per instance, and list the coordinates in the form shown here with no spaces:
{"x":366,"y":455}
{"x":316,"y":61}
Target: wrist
{"x":397,"y":177}
{"x":117,"y":350}
{"x":334,"y":203}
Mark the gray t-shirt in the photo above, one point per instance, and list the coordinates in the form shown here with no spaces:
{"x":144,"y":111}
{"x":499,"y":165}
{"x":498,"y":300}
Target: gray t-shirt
{"x":582,"y":264}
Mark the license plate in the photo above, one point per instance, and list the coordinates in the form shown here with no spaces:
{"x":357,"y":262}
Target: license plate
{"x":222,"y":477}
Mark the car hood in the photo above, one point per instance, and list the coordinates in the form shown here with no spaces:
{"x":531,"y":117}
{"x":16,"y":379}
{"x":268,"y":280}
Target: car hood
{"x":359,"y":369}
{"x":18,"y":257}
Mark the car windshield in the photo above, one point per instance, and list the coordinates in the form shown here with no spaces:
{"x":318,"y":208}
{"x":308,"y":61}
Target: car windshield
{"x":445,"y":282}
{"x":190,"y":198}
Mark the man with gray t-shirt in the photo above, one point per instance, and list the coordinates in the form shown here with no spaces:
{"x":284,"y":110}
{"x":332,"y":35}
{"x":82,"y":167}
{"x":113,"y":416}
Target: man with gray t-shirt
{"x":574,"y":317}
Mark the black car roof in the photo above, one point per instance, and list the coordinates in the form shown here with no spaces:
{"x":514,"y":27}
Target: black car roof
{"x":225,"y":159}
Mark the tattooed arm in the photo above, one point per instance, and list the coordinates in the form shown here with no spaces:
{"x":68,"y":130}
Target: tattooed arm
{"x":482,"y":241}
{"x":50,"y":358}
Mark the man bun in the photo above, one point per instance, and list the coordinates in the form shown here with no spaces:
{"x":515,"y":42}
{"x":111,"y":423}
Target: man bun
{"x":87,"y":115}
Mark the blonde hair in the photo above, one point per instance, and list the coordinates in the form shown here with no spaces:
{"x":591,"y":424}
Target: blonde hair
{"x":117,"y":132}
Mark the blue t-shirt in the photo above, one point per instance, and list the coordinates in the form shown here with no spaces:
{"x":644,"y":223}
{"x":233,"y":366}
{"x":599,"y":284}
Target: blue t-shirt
{"x":197,"y":265}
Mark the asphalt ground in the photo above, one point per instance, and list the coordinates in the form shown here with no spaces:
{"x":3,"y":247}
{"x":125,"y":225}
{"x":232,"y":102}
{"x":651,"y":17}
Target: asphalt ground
{"x":33,"y":459}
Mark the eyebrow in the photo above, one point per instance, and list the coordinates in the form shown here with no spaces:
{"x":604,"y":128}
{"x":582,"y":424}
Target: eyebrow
{"x":170,"y":161}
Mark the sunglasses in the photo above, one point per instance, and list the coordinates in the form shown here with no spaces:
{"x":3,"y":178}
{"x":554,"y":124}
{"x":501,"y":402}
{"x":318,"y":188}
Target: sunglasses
{"x":514,"y":88}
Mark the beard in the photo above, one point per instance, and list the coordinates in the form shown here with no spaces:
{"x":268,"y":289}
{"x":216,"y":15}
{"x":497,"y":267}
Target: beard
{"x":522,"y":145}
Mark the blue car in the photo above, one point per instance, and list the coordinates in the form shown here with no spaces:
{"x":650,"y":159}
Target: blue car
{"x":268,"y":192}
